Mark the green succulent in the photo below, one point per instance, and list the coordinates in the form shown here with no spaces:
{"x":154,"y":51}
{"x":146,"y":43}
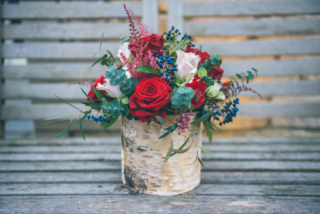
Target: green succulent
{"x":181,"y":98}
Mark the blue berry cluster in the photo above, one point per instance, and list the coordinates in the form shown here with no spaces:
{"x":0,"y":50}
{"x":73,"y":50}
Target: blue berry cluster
{"x":190,"y":38}
{"x":169,"y":70}
{"x":172,"y":33}
{"x":100,"y":118}
{"x":230,"y":113}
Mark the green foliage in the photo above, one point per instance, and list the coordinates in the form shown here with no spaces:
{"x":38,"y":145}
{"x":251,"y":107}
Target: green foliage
{"x":176,"y":79}
{"x":105,"y":125}
{"x":101,"y":41}
{"x":202,"y":72}
{"x":248,"y":76}
{"x":215,"y":60}
{"x":181,"y":147}
{"x":168,"y":153}
{"x":125,"y":100}
{"x":99,"y":94}
{"x":69,"y":103}
{"x":208,"y":129}
{"x":146,"y":69}
{"x":181,"y":98}
{"x":64,"y":131}
{"x":181,"y":44}
{"x":162,"y":121}
{"x":202,"y":118}
{"x":123,"y":39}
{"x":207,"y":79}
{"x":105,"y":59}
{"x":124,"y":109}
{"x":206,"y":151}
{"x":119,"y":77}
{"x":169,"y":130}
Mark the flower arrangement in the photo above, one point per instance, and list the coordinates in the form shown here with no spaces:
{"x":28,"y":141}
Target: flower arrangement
{"x":157,"y":75}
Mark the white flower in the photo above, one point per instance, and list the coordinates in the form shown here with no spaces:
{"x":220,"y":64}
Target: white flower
{"x":187,"y":64}
{"x":213,"y":91}
{"x":112,"y":91}
{"x":126,"y":51}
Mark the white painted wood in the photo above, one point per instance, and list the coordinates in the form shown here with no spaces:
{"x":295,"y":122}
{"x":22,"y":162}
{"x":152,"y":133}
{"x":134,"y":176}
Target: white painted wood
{"x":48,"y":90}
{"x":150,"y":10}
{"x":262,"y":47}
{"x":81,"y":71}
{"x":68,"y":10}
{"x":238,"y":48}
{"x":86,"y":30}
{"x":264,"y":109}
{"x":175,"y":15}
{"x":265,"y":27}
{"x":250,"y":8}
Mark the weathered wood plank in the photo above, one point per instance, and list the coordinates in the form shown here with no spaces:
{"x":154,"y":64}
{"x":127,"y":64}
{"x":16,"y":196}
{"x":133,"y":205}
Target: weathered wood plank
{"x":202,"y":189}
{"x":115,"y":140}
{"x":238,"y":166}
{"x":267,"y":109}
{"x":69,"y":10}
{"x":253,"y":27}
{"x":217,"y":156}
{"x":115,"y":147}
{"x":49,"y":90}
{"x":67,"y":50}
{"x":150,"y":11}
{"x":115,"y":204}
{"x":262,"y":47}
{"x":64,"y":30}
{"x":175,"y":15}
{"x":225,"y":48}
{"x":66,"y":71}
{"x":294,"y":178}
{"x":251,"y":8}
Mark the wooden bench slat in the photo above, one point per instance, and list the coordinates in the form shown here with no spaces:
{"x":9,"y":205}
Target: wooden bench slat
{"x":72,"y":166}
{"x":45,"y":90}
{"x":64,"y":30}
{"x":250,"y":8}
{"x":206,"y":177}
{"x":69,"y":10}
{"x":217,"y":156}
{"x":115,"y":204}
{"x":99,"y":149}
{"x":202,"y":189}
{"x":81,"y":71}
{"x":253,"y":27}
{"x":262,"y":47}
{"x":264,"y":109}
{"x":86,"y":50}
{"x":115,"y":140}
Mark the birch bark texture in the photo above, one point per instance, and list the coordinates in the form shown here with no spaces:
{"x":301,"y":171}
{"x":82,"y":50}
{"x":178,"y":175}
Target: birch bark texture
{"x":143,"y":167}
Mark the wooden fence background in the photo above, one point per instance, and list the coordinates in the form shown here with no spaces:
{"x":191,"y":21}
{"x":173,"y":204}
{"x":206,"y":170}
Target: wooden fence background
{"x":47,"y":44}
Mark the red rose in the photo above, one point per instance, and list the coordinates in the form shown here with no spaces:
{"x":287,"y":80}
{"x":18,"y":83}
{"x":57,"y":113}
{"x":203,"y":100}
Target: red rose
{"x":199,"y":88}
{"x":215,"y":72}
{"x":149,"y":97}
{"x":155,"y":44}
{"x":91,"y":93}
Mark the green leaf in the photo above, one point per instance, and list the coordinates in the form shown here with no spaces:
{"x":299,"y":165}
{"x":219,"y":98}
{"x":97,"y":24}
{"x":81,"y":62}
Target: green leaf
{"x":164,"y":135}
{"x":110,"y":54}
{"x":180,"y":45}
{"x":171,"y":128}
{"x":62,"y":121}
{"x":98,"y":60}
{"x":200,"y":161}
{"x":108,"y":107}
{"x":235,"y":81}
{"x":125,"y":109}
{"x":99,"y":94}
{"x":202,"y":72}
{"x":202,"y":118}
{"x":180,"y":151}
{"x":125,"y":100}
{"x":85,"y":103}
{"x":82,"y":131}
{"x":206,"y":151}
{"x":95,"y":107}
{"x":244,"y":74}
{"x":239,"y":76}
{"x":207,"y":126}
{"x":176,"y":79}
{"x":68,"y":103}
{"x":162,"y":121}
{"x":168,"y":153}
{"x":87,"y":95}
{"x":195,"y":160}
{"x":200,"y":48}
{"x":81,"y":119}
{"x":105,"y":125}
{"x":256,"y":71}
{"x":64,"y":131}
{"x":146,"y":69}
{"x":116,"y":105}
{"x":181,"y":147}
{"x":52,"y":118}
{"x":207,"y":79}
{"x":101,"y":41}
{"x":130,"y":59}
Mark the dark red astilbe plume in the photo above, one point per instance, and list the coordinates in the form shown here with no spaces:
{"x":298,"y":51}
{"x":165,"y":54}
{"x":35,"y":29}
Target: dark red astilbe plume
{"x":135,"y":34}
{"x":143,"y":28}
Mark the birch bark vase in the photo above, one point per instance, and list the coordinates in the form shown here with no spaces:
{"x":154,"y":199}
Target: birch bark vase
{"x":143,"y":167}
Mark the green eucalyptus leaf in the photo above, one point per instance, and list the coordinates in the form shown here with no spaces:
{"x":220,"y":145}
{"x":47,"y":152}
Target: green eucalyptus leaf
{"x":206,"y":151}
{"x":235,"y":81}
{"x":116,"y":105}
{"x":64,"y":131}
{"x":256,"y":71}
